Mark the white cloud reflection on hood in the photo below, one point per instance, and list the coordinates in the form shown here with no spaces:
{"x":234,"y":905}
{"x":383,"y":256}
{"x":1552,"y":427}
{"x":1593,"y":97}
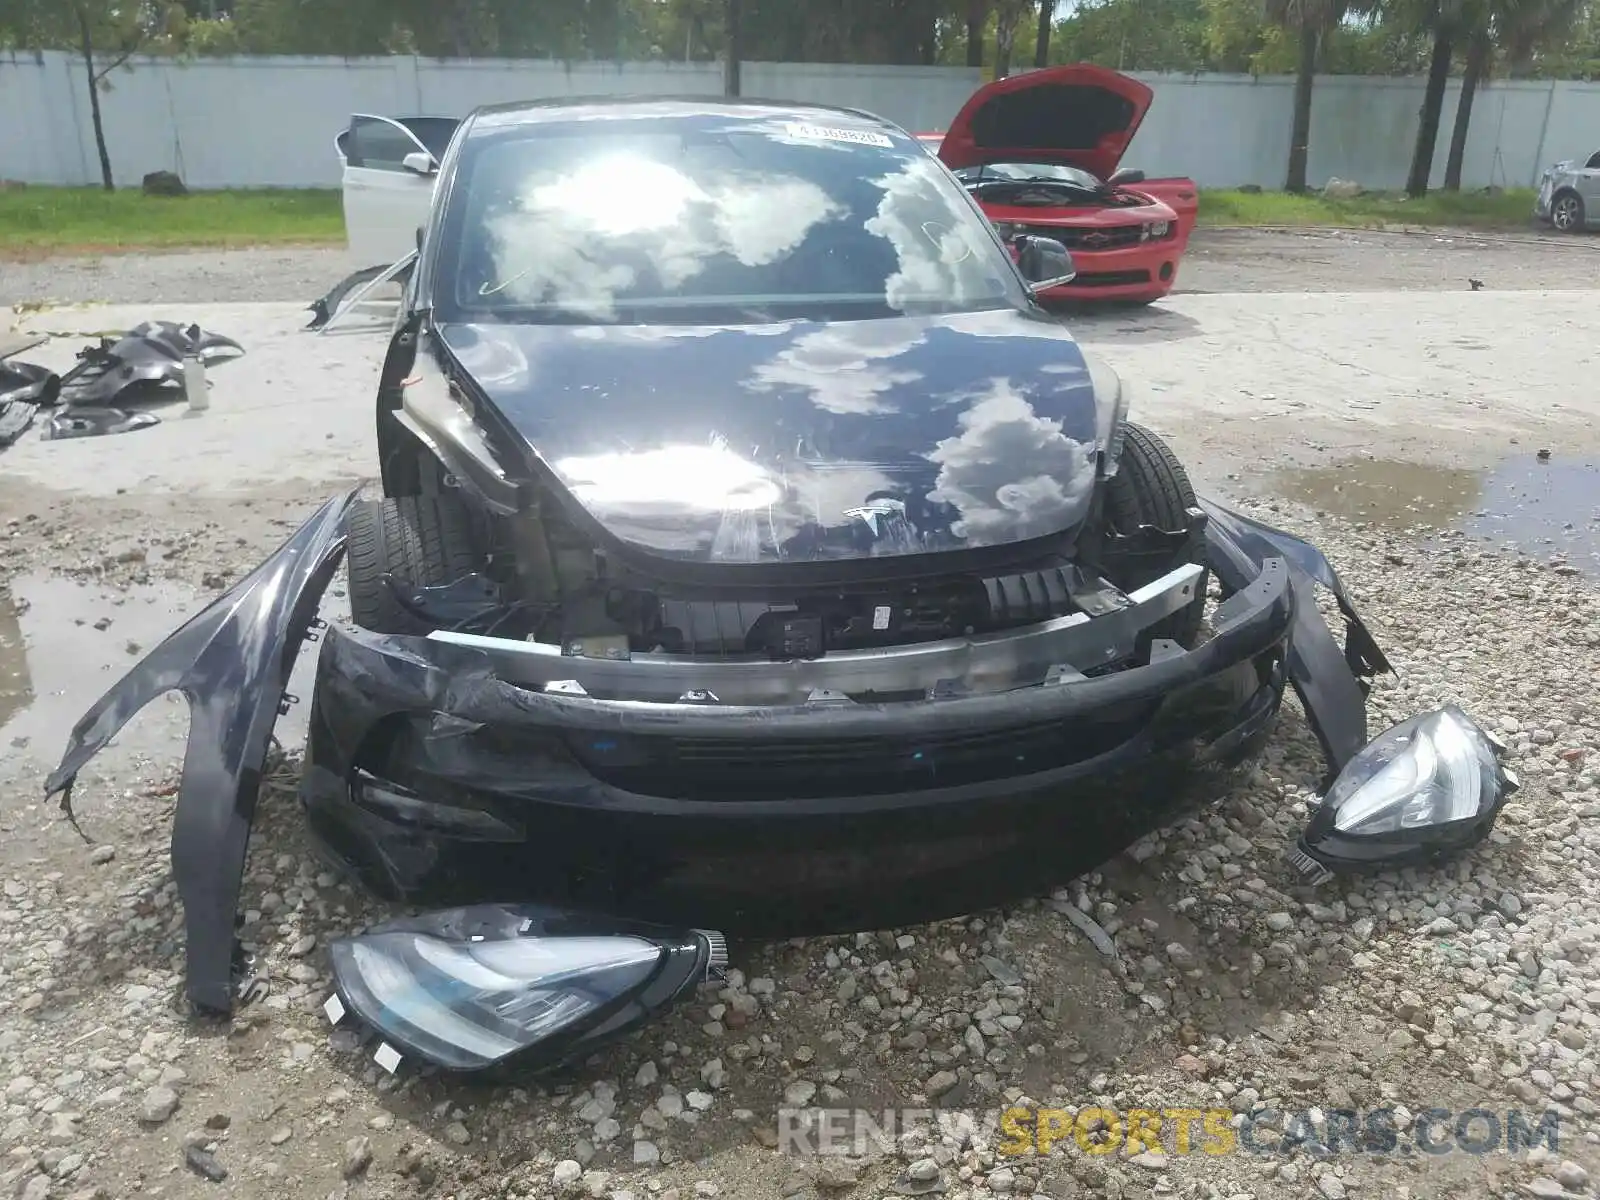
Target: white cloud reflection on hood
{"x":847,"y":367}
{"x":1011,"y":473}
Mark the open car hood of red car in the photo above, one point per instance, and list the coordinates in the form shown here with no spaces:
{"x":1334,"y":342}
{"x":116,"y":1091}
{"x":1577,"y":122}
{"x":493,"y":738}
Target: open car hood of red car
{"x":1080,"y":115}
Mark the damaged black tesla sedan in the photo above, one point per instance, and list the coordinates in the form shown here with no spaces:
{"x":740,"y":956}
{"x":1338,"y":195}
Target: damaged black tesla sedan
{"x":754,"y":554}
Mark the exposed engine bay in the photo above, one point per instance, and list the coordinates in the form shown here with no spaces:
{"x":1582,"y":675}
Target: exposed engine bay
{"x":1051,"y":195}
{"x":544,"y":581}
{"x":1045,"y":185}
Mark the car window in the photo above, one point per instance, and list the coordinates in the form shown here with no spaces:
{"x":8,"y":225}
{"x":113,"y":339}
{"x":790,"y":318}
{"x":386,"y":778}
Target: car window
{"x":1594,"y":162}
{"x":710,"y":220}
{"x":379,"y":144}
{"x":433,"y":132}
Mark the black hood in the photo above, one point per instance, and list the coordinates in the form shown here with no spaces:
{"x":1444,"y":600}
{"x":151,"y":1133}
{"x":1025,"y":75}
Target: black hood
{"x":803,"y":440}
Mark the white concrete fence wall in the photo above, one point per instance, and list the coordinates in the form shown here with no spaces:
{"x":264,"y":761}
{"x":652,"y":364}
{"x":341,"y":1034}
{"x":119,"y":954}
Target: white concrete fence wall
{"x":270,"y":122}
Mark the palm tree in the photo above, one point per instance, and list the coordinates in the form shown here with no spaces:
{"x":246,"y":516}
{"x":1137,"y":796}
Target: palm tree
{"x":977,"y":16}
{"x":1007,"y":16}
{"x":1518,"y":28}
{"x":732,"y":46}
{"x":1041,"y":43}
{"x":1311,"y":20}
{"x":1445,"y":19}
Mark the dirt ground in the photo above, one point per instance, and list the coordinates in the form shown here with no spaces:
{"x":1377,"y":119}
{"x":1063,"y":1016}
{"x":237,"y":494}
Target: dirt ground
{"x":1399,"y":429}
{"x":1218,"y":260}
{"x":1356,"y":260}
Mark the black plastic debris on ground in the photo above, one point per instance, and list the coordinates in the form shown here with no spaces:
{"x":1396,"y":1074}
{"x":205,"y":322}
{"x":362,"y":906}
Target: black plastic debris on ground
{"x":24,"y":388}
{"x":145,"y":363}
{"x":96,"y":422}
{"x":203,"y":1163}
{"x":15,"y":417}
{"x":150,"y":355}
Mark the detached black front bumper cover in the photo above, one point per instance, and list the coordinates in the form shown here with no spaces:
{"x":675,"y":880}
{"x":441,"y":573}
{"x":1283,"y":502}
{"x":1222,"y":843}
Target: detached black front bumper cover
{"x":1181,"y":715}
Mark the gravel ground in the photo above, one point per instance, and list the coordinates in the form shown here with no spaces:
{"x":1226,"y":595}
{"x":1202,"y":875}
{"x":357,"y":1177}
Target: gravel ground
{"x":1353,"y":260}
{"x":1227,"y":985}
{"x":1219,"y":260}
{"x":1230,"y":986}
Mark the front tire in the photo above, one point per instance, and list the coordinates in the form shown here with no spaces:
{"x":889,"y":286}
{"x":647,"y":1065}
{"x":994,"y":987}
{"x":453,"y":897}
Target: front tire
{"x":1566,"y":212}
{"x":419,"y":541}
{"x":1152,"y":488}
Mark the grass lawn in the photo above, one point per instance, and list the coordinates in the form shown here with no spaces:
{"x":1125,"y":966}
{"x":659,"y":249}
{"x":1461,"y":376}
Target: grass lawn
{"x":37,"y":221}
{"x":43,"y":220}
{"x":1510,"y":209}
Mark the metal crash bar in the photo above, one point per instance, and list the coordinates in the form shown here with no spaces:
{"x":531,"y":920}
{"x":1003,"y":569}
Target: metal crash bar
{"x":988,"y":662}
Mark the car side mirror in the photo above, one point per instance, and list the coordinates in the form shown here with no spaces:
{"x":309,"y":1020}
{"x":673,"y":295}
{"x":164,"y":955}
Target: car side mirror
{"x":1126,"y":175}
{"x":1044,"y":262}
{"x":419,"y":161}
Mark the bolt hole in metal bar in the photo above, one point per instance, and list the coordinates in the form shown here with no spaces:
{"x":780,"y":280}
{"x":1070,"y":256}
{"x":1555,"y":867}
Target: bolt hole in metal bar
{"x":987,"y":663}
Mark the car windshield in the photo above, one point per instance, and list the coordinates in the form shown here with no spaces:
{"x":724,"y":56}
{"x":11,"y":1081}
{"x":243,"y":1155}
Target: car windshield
{"x":1030,"y":172}
{"x":710,"y":219}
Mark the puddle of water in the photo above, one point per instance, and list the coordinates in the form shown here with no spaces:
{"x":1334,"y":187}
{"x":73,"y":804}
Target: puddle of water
{"x":63,"y":643}
{"x":1393,"y":494}
{"x":1539,"y":508}
{"x":16,"y":686}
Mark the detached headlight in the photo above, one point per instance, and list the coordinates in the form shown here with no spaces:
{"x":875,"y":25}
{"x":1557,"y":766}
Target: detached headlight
{"x":468,"y":988}
{"x":1157,"y":229}
{"x":1430,"y":785}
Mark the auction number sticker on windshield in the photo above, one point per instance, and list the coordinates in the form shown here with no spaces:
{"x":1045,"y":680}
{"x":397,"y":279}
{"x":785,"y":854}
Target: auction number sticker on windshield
{"x":831,"y":133}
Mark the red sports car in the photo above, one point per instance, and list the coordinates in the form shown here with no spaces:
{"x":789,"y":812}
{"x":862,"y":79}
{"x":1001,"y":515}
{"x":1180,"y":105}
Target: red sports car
{"x":1040,"y":152}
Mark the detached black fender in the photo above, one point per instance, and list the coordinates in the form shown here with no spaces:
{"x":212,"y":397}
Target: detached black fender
{"x":151,"y":353}
{"x":178,"y":340}
{"x":232,"y":662}
{"x":1331,"y":682}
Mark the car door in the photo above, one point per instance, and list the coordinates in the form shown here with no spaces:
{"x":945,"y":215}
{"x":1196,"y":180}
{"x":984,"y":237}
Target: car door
{"x":1589,"y":187}
{"x":384,"y":200}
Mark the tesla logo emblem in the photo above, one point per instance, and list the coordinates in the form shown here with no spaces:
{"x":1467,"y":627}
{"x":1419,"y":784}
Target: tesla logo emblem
{"x":874,"y":512}
{"x":885,"y":518}
{"x":1095,"y":239}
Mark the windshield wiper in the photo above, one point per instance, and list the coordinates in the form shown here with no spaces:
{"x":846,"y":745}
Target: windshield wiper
{"x":1035,"y":181}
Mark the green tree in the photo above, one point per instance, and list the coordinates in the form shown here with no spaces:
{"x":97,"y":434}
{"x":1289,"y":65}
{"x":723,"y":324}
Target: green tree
{"x":1134,"y":35}
{"x":1311,"y":23}
{"x":1576,"y":56}
{"x":733,"y":45}
{"x":1008,"y":17}
{"x":103,"y":33}
{"x":977,"y":17}
{"x":1512,"y":29}
{"x":1444,"y":19}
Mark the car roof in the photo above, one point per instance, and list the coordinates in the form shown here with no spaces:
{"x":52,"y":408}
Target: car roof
{"x":568,"y":108}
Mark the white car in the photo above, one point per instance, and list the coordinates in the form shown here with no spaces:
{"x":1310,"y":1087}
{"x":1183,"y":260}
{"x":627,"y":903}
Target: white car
{"x":389,"y":165}
{"x":1569,"y":195}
